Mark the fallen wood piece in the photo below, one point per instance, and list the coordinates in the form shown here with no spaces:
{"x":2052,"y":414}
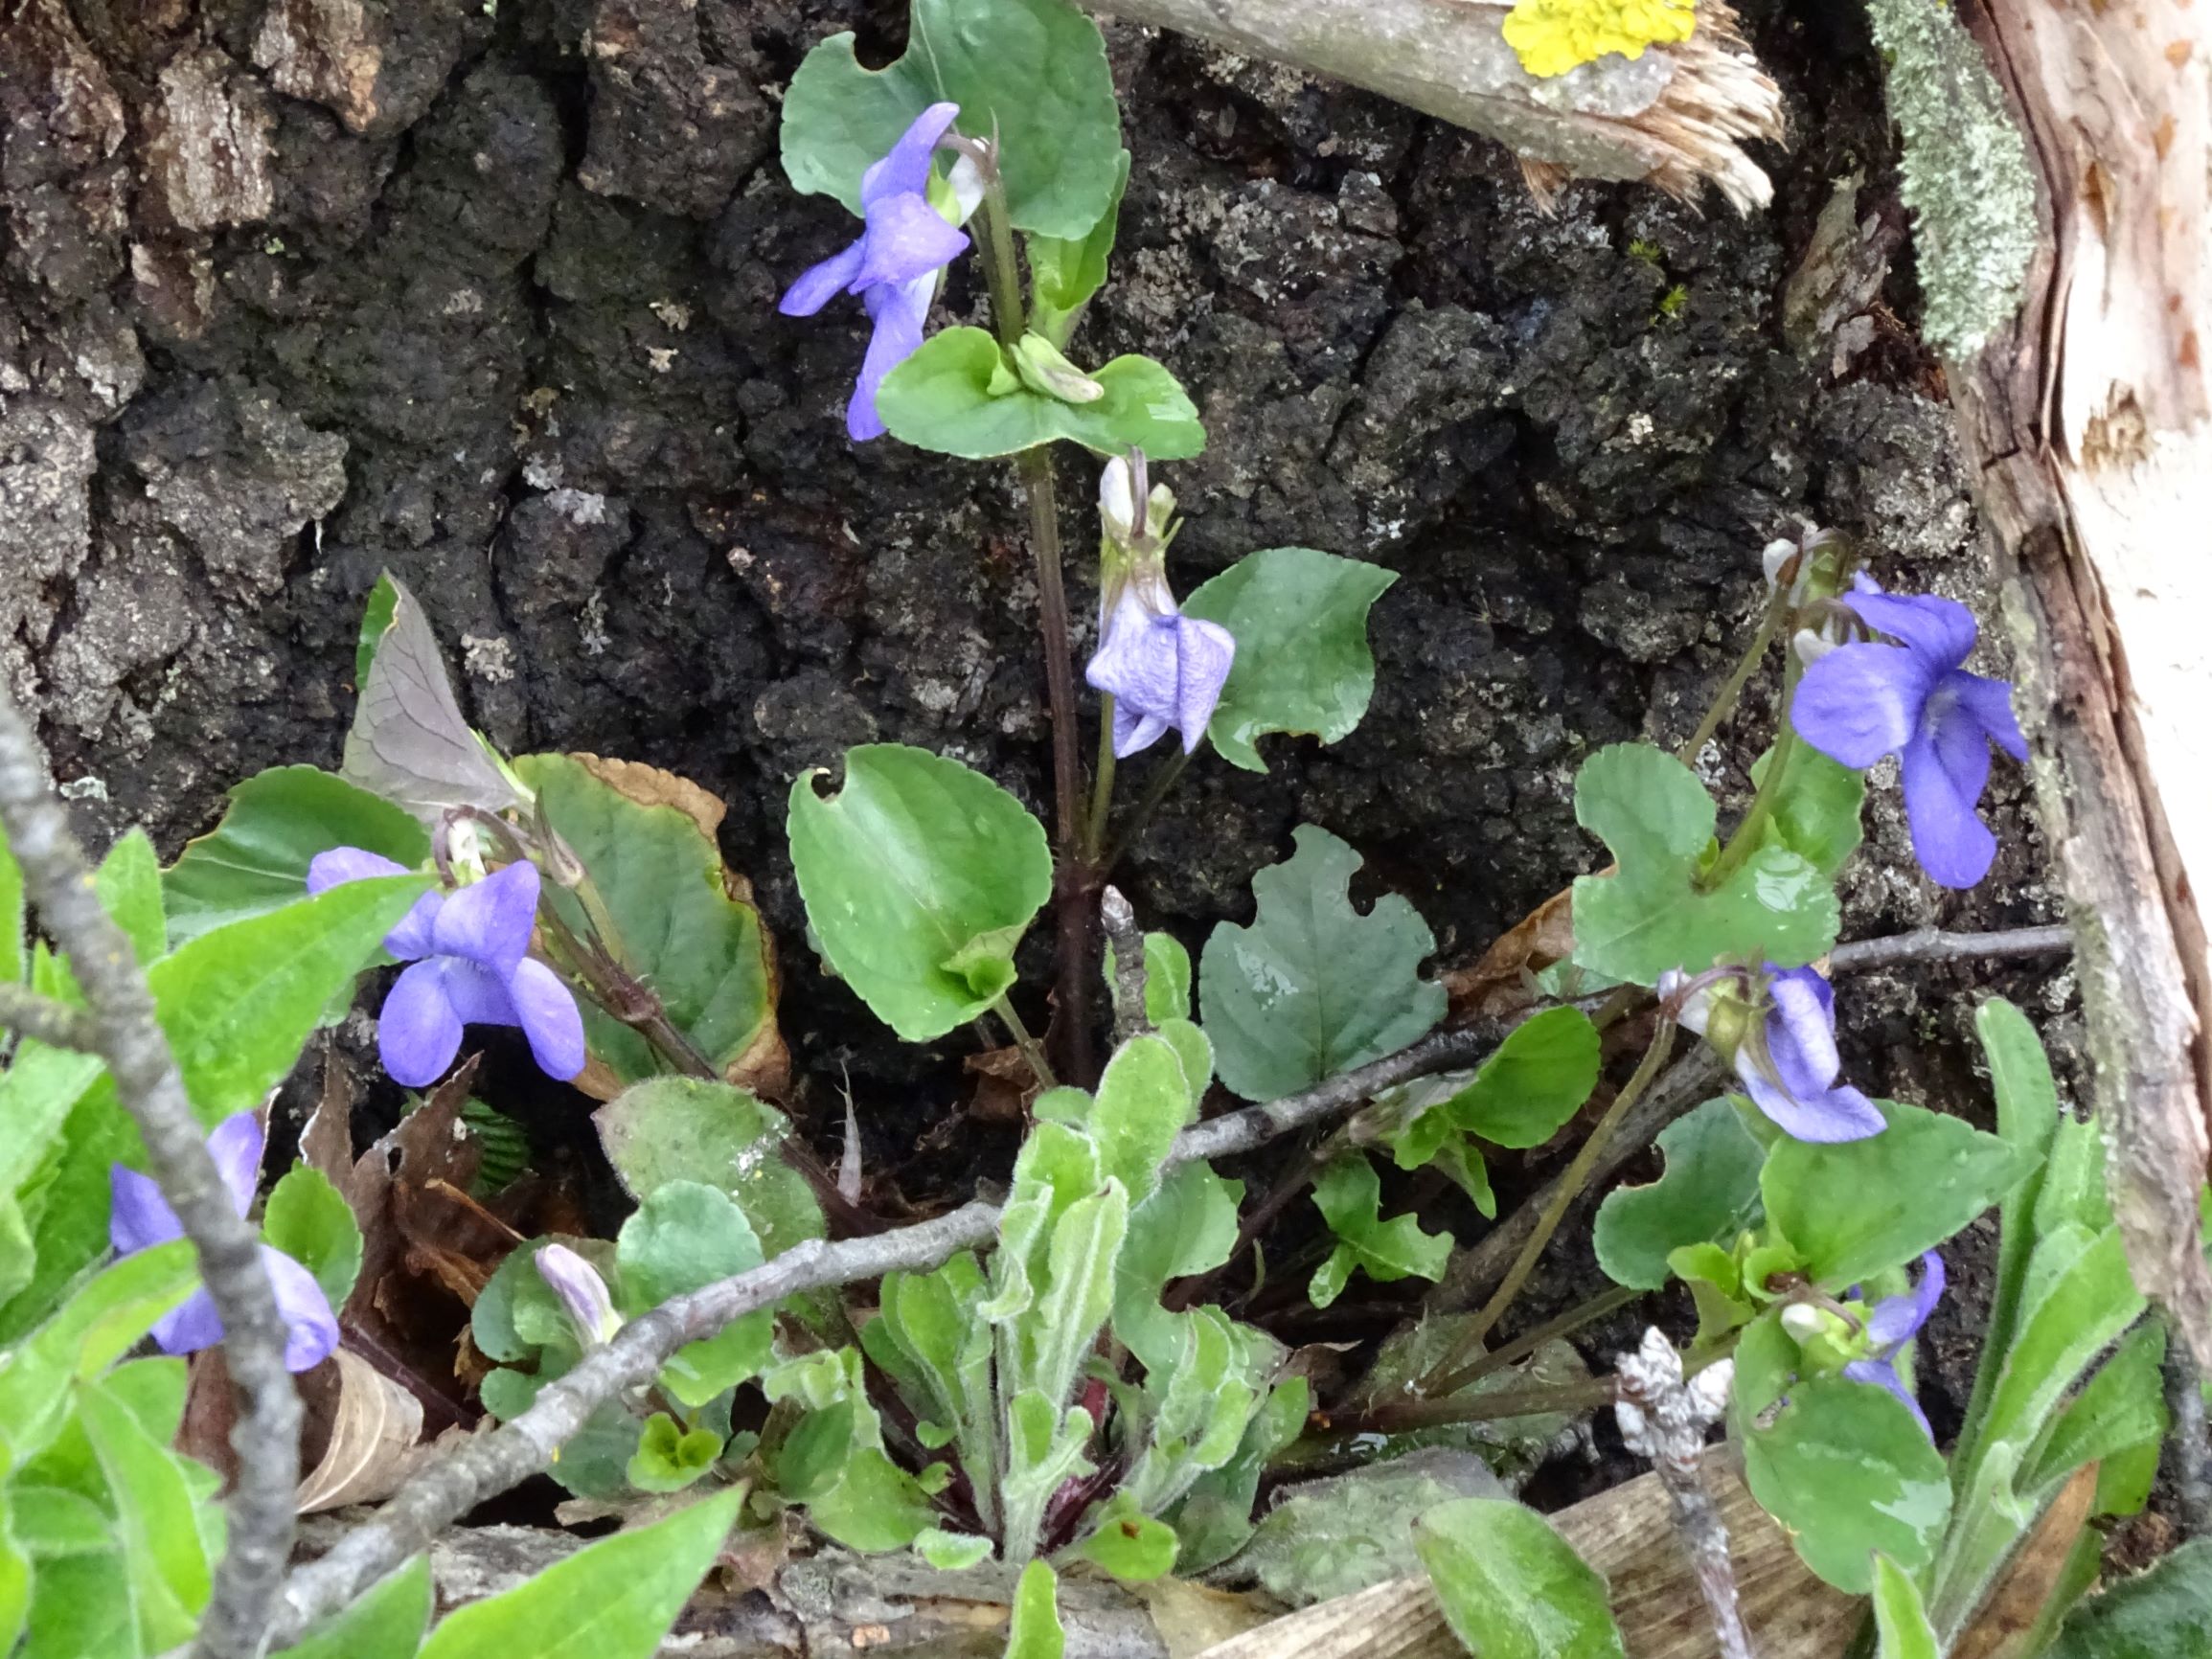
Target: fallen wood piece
{"x":1675,"y":117}
{"x":837,"y":1602}
{"x":1627,"y":1535}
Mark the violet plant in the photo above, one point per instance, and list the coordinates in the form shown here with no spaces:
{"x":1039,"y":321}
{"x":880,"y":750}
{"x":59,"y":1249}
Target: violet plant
{"x":1092,"y":1380}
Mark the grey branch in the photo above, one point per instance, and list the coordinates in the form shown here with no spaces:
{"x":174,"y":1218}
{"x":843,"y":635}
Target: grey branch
{"x":1663,"y":1415}
{"x":1677,"y":116}
{"x":1933,"y":944}
{"x":54,"y":1024}
{"x":491,"y":1463}
{"x":58,"y":880}
{"x":1120,"y":923}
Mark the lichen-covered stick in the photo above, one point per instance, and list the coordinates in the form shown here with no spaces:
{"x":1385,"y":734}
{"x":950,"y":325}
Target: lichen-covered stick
{"x":58,"y":880}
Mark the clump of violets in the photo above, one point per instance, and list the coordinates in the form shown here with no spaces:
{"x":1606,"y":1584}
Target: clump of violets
{"x":1786,"y":1059}
{"x":893,"y":265}
{"x":1914,"y":699}
{"x":469,"y":951}
{"x":139,"y":1218}
{"x":1163,"y":670}
{"x":1894,"y":1322}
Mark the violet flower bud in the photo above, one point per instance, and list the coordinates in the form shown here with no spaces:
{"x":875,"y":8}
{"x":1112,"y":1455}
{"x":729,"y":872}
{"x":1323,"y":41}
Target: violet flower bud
{"x":582,"y":1292}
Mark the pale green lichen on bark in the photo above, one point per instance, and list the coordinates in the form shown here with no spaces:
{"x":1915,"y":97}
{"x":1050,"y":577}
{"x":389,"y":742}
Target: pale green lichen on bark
{"x":1966,"y":176}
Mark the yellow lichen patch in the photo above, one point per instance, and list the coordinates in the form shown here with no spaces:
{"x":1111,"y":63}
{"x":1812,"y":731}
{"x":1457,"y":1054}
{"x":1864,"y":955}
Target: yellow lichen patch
{"x":1552,"y":36}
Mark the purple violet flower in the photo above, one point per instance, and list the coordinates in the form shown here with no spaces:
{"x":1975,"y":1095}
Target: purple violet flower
{"x":139,"y":1218}
{"x":471,"y":967}
{"x":1913,"y":700}
{"x":891,"y":265}
{"x":1163,"y":669}
{"x":1787,"y":1063}
{"x":1896,"y":1320}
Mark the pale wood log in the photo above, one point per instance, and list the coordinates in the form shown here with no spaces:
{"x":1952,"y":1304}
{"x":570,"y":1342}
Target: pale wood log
{"x":1628,"y":1536}
{"x":2085,"y":428}
{"x":1678,"y":116}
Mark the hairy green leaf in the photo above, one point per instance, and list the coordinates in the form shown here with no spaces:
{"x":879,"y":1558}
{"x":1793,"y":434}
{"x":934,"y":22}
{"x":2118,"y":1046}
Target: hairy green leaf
{"x":1511,"y":1588}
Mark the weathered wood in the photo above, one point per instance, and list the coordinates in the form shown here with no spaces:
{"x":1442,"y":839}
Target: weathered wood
{"x":1675,"y":117}
{"x":2086,"y":425}
{"x":1628,"y":1535}
{"x":836,"y":1603}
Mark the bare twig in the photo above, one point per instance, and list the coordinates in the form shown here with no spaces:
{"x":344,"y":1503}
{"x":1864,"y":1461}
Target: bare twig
{"x":58,"y":880}
{"x":1664,"y":1417}
{"x":1933,"y":944}
{"x":1120,"y":923}
{"x":56,"y":1024}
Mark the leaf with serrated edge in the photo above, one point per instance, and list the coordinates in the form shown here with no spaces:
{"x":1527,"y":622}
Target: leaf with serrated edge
{"x":1303,"y":665}
{"x":1653,"y":915}
{"x":1312,"y":987}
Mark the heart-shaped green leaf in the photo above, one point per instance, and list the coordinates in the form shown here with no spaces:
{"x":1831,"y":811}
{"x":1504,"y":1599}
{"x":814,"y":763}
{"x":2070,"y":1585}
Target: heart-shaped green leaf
{"x":957,"y":395}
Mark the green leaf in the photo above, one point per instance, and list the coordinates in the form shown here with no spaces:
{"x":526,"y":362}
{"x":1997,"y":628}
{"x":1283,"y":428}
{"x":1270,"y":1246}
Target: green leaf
{"x":668,"y":1458}
{"x":678,"y":929}
{"x":2165,"y":1613}
{"x":1708,"y":1195}
{"x":956,"y":397}
{"x":1847,"y":1469}
{"x":1538,"y":1080}
{"x":920,"y":877}
{"x":1858,"y":1207}
{"x":1653,"y":915}
{"x":690,"y":1129}
{"x":683,"y":1238}
{"x":1064,"y":272}
{"x":1143,"y":1103}
{"x":1312,"y":987}
{"x":1036,"y":1631}
{"x":2120,"y":1408}
{"x":611,"y":1599}
{"x":310,"y":1220}
{"x":15,"y":1577}
{"x":1350,"y":1195}
{"x":1128,"y":1543}
{"x":129,"y":884}
{"x":1187,"y":1226}
{"x":2027,"y":1103}
{"x":951,"y":1552}
{"x":1299,"y":617}
{"x":256,"y":859}
{"x":1511,"y":1587}
{"x":1328,"y":1538}
{"x":1899,"y":1617}
{"x":1032,"y":73}
{"x":1215,"y":1517}
{"x":941,"y":1350}
{"x":386,"y":1623}
{"x":1816,"y":811}
{"x":81,"y":1605}
{"x":156,"y":1517}
{"x":375,"y":621}
{"x":2085,"y":1307}
{"x":237,"y":1003}
{"x":107,"y":1316}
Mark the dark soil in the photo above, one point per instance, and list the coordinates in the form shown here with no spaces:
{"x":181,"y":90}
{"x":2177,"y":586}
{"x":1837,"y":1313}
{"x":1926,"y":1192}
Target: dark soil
{"x":497,"y":313}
